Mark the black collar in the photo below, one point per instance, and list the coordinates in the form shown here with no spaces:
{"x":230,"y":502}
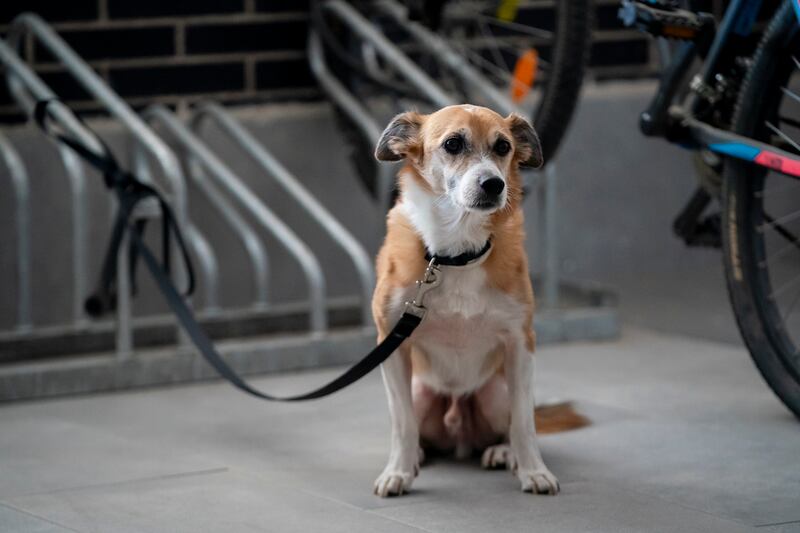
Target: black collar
{"x":460,"y":259}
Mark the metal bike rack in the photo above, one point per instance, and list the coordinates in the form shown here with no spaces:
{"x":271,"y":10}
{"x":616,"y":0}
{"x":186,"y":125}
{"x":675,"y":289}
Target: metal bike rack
{"x":27,"y":88}
{"x":228,"y":180}
{"x":272,"y":167}
{"x":390,"y":52}
{"x":337,"y":92}
{"x":427,"y":86}
{"x":21,"y":186}
{"x":241,"y":228}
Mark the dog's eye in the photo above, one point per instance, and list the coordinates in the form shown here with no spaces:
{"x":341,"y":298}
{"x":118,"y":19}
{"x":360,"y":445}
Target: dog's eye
{"x":502,"y":147}
{"x":454,"y":145}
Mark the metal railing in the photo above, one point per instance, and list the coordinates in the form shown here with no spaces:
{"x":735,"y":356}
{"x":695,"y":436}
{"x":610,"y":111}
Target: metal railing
{"x":27,"y":88}
{"x":224,"y":189}
{"x":247,"y":200}
{"x":273,"y":168}
{"x":21,"y":186}
{"x":338,"y":93}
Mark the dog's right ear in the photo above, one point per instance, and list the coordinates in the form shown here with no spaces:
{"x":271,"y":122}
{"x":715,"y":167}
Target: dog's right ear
{"x":400,"y":138}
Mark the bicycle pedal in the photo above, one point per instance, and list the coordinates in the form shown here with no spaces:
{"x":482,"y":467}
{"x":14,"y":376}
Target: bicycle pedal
{"x":662,"y":18}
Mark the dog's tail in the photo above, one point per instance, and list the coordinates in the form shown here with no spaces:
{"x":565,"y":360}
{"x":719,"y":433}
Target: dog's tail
{"x":556,"y":417}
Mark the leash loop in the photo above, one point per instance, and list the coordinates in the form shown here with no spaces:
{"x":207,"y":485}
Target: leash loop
{"x":129,"y":192}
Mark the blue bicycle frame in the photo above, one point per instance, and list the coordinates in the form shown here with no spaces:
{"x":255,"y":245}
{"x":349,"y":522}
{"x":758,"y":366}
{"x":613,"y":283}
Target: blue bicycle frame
{"x":738,"y":19}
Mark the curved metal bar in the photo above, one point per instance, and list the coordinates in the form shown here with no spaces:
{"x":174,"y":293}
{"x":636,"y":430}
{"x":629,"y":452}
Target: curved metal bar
{"x":94,"y":85}
{"x":252,"y":244}
{"x":80,"y":232}
{"x":201,"y":248}
{"x":22,"y":79}
{"x":75,"y":175}
{"x":334,"y":88}
{"x":337,"y":232}
{"x":209,"y":267}
{"x":20,"y":183}
{"x":367,"y":31}
{"x":370,"y":129}
{"x":228,"y":180}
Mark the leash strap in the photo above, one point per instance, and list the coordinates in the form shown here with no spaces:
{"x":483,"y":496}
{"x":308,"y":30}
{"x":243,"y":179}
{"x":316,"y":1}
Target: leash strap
{"x":130,"y":191}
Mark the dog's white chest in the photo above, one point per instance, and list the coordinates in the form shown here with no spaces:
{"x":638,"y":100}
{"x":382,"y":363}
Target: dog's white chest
{"x":466,"y":321}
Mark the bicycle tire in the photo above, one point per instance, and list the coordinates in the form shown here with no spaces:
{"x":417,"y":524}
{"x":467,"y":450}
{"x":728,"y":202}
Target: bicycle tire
{"x":760,"y":322}
{"x":570,"y":58}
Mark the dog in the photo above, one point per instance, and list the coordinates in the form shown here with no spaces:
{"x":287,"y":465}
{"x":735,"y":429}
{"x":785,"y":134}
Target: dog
{"x":463,"y":381}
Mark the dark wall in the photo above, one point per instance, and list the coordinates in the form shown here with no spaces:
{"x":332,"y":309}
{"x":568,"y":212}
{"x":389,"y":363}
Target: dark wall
{"x":168,"y":50}
{"x":233,"y":50}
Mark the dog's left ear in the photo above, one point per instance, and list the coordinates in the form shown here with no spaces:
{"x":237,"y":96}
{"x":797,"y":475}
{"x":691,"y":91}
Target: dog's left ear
{"x":528,"y":148}
{"x":400,"y":138}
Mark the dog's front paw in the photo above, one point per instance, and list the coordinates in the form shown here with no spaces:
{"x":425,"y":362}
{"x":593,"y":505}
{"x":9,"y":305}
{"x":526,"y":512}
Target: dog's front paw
{"x":539,"y":481}
{"x":393,"y":482}
{"x":499,"y":456}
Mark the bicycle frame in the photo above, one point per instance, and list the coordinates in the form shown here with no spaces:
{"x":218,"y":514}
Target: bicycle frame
{"x":679,"y":123}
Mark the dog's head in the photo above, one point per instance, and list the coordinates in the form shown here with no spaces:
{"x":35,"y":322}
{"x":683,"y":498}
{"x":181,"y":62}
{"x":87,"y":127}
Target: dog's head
{"x":468,"y":153}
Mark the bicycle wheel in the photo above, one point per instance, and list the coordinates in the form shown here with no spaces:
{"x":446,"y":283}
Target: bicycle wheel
{"x":759,"y":213}
{"x":504,"y":44}
{"x":537,"y":55}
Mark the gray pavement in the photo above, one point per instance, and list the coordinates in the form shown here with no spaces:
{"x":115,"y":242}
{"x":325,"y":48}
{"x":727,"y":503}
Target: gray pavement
{"x":685,"y":434}
{"x":685,"y":437}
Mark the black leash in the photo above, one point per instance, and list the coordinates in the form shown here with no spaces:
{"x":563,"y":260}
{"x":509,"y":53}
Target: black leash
{"x":130,"y":191}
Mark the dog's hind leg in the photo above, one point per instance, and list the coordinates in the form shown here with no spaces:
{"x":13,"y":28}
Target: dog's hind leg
{"x":402,"y":466}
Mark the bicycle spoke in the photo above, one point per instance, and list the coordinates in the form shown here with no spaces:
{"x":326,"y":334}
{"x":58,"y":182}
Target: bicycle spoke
{"x":772,"y":223}
{"x":790,"y":121}
{"x":764,"y":193}
{"x":522,"y":28}
{"x":785,"y":314}
{"x":502,"y":74}
{"x":782,"y":231}
{"x":786,"y":234}
{"x":790,"y":94}
{"x":497,"y":74}
{"x":487,"y":33}
{"x":785,"y":249}
{"x":543,"y":63}
{"x":782,"y":135}
{"x":783,"y":288}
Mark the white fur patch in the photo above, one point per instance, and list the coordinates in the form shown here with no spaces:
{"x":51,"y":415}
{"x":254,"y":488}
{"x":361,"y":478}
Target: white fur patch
{"x":466,"y":321}
{"x":446,"y":229}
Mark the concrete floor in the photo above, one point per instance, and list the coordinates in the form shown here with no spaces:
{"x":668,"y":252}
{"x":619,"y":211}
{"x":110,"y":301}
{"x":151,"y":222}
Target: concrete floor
{"x":685,"y":437}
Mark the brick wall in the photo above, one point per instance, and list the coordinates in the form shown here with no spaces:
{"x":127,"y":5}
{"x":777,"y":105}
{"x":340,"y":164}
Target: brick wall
{"x":231,"y":50}
{"x":171,"y":50}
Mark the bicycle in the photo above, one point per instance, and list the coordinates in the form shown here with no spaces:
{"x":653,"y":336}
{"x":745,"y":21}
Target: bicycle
{"x":736,"y":114}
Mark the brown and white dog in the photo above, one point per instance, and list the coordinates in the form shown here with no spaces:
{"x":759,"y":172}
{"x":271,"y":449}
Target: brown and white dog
{"x":464,"y":380}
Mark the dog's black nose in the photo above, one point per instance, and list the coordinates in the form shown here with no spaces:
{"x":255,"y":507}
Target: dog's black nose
{"x":492,"y":185}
